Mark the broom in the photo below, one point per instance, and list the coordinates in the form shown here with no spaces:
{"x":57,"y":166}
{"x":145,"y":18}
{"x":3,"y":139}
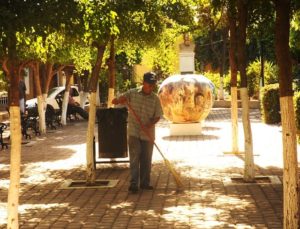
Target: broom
{"x":167,"y":162}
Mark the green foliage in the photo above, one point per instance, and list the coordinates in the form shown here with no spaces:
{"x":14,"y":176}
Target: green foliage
{"x":99,"y":20}
{"x":227,"y":82}
{"x":204,"y":54}
{"x":260,"y":30}
{"x":3,"y":82}
{"x":215,"y":79}
{"x":122,"y":84}
{"x":253,"y":76}
{"x":210,"y":35}
{"x":295,"y":35}
{"x":34,"y":18}
{"x":163,"y":57}
{"x":82,"y":57}
{"x":137,"y":25}
{"x":270,"y":105}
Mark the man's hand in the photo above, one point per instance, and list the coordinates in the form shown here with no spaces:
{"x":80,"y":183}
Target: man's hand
{"x":121,"y":100}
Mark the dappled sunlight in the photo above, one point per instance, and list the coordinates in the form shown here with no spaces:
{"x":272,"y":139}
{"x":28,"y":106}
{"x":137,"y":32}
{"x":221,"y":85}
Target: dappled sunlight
{"x":3,"y":213}
{"x":199,"y":173}
{"x":76,"y":159}
{"x":207,"y":209}
{"x":25,"y":208}
{"x":145,"y":213}
{"x":4,"y":183}
{"x":192,"y":215}
{"x":121,"y":205}
{"x":40,"y":171}
{"x":4,"y":167}
{"x":34,"y":175}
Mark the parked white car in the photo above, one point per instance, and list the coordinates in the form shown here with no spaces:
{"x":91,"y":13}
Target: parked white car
{"x":53,"y":96}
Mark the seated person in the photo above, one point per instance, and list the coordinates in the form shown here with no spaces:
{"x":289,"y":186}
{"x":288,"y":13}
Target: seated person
{"x":74,"y":108}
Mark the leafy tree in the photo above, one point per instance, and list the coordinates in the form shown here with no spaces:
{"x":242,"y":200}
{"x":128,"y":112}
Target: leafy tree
{"x":212,"y":36}
{"x":140,"y":22}
{"x":16,"y":18}
{"x":290,"y":171}
{"x":254,"y":76}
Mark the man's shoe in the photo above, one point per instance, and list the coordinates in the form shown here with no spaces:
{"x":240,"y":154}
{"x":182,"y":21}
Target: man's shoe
{"x":146,"y":187}
{"x":133,"y":188}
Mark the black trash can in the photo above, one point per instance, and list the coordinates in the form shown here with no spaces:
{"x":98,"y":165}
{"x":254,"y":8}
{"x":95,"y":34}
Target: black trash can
{"x":112,"y":132}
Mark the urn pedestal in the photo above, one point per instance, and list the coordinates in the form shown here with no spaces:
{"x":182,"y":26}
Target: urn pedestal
{"x":178,"y":129}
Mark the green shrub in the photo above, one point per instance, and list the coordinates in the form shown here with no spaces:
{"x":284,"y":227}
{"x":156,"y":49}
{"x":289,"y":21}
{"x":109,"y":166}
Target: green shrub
{"x":270,"y":106}
{"x":215,"y":79}
{"x":253,"y":76}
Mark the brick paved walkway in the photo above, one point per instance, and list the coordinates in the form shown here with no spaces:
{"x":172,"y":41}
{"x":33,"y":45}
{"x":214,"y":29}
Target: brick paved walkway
{"x":211,"y":197}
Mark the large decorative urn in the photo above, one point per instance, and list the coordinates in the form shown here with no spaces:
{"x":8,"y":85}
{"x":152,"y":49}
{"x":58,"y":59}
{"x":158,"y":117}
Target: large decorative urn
{"x":186,"y":98}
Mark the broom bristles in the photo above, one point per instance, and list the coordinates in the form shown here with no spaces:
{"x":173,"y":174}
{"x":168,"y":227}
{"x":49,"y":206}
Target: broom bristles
{"x":174,"y":173}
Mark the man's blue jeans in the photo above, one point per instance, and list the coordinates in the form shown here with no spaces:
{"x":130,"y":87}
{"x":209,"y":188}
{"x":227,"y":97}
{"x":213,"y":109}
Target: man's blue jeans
{"x":140,"y":156}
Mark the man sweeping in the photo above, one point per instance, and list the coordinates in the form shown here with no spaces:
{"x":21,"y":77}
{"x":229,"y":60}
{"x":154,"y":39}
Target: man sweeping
{"x":144,"y":112}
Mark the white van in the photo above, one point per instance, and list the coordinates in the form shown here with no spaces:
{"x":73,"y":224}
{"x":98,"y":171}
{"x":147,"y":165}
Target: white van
{"x":54,"y":95}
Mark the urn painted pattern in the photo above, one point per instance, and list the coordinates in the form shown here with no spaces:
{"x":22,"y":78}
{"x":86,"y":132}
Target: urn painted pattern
{"x":186,"y":98}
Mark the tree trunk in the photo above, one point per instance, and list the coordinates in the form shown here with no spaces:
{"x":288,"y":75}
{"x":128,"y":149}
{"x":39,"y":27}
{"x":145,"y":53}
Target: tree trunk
{"x":15,"y":122}
{"x":98,"y":102}
{"x":112,"y":73}
{"x":64,"y":108}
{"x":15,"y":161}
{"x":290,"y":171}
{"x":249,"y":172}
{"x":49,"y":76}
{"x":40,"y":99}
{"x":222,"y":63}
{"x":83,"y":92}
{"x":233,"y":71}
{"x":262,"y":64}
{"x":90,"y":170}
{"x":234,"y":120}
{"x":83,"y":98}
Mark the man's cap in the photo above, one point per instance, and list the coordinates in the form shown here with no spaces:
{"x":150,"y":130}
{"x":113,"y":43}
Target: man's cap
{"x":150,"y":77}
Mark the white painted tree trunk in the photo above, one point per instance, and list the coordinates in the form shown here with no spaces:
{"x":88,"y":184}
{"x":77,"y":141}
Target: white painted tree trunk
{"x":98,"y":102}
{"x":83,"y":98}
{"x":290,"y":171}
{"x":65,"y":108}
{"x":111,"y":96}
{"x":45,"y":96}
{"x":249,"y":172}
{"x":90,"y":170}
{"x":42,"y":113}
{"x":15,"y":160}
{"x":221,"y":89}
{"x":234,"y":119}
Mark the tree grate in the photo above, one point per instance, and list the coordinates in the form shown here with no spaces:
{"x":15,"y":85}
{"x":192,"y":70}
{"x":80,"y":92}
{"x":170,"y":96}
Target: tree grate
{"x":71,"y":184}
{"x":258,"y":180}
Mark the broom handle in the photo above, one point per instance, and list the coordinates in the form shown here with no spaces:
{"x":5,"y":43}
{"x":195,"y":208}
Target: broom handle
{"x":144,"y":129}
